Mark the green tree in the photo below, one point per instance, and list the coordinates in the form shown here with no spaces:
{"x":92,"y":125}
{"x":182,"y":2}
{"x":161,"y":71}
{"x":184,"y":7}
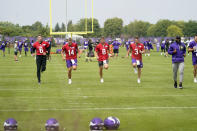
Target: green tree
{"x":138,"y":28}
{"x":161,"y":28}
{"x":63,"y":27}
{"x":57,"y":28}
{"x":81,"y":26}
{"x":113,"y":27}
{"x":70,"y":26}
{"x":190,"y":28}
{"x":174,"y":31}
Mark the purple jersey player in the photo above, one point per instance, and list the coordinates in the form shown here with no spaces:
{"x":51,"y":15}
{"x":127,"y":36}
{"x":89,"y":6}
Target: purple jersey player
{"x":20,"y":46}
{"x":26,"y":48}
{"x":177,"y":50}
{"x":116,"y":46}
{"x":127,"y":44}
{"x":193,"y":49}
{"x":2,"y":47}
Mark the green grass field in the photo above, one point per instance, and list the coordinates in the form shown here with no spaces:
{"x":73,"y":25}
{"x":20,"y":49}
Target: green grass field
{"x":150,"y":106}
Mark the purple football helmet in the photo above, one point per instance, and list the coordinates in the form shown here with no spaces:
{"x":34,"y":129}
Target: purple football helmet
{"x":52,"y":125}
{"x":111,"y":123}
{"x":96,"y":124}
{"x":10,"y":125}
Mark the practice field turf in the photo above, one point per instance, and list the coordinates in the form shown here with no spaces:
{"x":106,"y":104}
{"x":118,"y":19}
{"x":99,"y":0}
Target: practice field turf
{"x":153,"y":105}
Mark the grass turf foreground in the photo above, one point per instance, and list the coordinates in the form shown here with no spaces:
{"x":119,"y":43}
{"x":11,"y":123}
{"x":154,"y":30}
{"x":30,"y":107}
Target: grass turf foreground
{"x":150,"y":106}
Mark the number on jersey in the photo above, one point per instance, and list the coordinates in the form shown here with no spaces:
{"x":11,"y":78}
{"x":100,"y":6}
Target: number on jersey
{"x":103,"y":51}
{"x":136,"y":52}
{"x":71,"y":52}
{"x":41,"y":50}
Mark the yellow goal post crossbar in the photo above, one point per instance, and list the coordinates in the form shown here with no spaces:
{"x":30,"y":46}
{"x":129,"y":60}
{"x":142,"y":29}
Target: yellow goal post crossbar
{"x":79,"y":32}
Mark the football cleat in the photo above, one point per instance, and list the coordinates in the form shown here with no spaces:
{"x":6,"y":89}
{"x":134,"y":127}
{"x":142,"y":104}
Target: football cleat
{"x":52,"y":125}
{"x":96,"y":124}
{"x":10,"y":125}
{"x":138,"y":81}
{"x":175,"y":84}
{"x":69,"y":81}
{"x":102,"y":80}
{"x":180,"y":86}
{"x":111,"y":123}
{"x":195,"y":80}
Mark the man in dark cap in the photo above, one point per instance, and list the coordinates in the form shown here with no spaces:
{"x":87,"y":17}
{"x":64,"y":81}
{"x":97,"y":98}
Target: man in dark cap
{"x":177,"y":50}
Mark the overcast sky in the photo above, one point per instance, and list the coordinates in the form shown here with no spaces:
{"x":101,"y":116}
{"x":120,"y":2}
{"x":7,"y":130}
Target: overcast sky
{"x":26,"y":12}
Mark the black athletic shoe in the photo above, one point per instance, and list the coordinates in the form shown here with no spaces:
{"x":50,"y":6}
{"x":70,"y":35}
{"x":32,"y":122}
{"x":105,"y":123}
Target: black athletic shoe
{"x":180,"y":86}
{"x":175,"y":84}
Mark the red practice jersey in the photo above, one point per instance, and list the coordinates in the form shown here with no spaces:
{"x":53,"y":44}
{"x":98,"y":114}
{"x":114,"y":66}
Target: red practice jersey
{"x":41,"y":48}
{"x":136,"y":50}
{"x":70,"y":51}
{"x":102,"y":51}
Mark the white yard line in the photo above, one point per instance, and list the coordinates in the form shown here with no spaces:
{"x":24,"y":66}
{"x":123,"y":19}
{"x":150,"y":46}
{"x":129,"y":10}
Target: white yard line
{"x":93,"y":109}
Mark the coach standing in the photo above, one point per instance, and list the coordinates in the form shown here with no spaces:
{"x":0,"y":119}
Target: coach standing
{"x":41,"y":48}
{"x":177,"y":50}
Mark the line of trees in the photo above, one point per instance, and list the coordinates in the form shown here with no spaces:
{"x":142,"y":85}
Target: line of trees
{"x":113,"y":27}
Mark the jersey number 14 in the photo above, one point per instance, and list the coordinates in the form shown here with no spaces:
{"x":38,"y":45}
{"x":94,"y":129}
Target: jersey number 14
{"x":71,"y":52}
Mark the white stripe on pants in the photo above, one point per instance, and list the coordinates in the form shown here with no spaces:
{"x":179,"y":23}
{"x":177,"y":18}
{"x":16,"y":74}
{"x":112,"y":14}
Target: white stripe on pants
{"x":175,"y":67}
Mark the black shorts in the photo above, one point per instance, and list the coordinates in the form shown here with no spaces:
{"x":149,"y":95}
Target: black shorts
{"x":101,"y":63}
{"x":116,"y":50}
{"x":15,"y":53}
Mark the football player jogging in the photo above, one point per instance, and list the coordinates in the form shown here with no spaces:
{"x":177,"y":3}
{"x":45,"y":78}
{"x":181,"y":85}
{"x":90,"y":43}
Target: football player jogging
{"x":177,"y":50}
{"x":20,"y":46}
{"x":41,"y":48}
{"x":26,"y":48}
{"x":71,"y":50}
{"x":16,"y":51}
{"x":137,"y":50}
{"x":101,"y":53}
{"x":193,"y":49}
{"x":116,"y":46}
{"x":2,"y":47}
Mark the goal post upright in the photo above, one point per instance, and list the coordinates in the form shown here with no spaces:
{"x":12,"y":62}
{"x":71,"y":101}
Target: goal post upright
{"x":76,"y":32}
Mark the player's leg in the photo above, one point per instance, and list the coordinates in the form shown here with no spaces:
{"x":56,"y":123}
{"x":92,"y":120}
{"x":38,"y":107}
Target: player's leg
{"x":15,"y":56}
{"x":139,"y":66}
{"x":175,"y":69}
{"x":69,"y":67}
{"x":39,"y":64}
{"x":101,"y":71}
{"x":134,"y":64}
{"x":106,"y":64}
{"x":4,"y":52}
{"x":20,"y":50}
{"x":194,"y":71}
{"x":69,"y":75}
{"x":181,"y":73}
{"x":43,"y":63}
{"x":74,"y":64}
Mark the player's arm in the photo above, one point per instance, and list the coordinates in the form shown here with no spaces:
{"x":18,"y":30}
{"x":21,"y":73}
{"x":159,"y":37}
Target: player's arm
{"x":128,"y":52}
{"x":142,"y":51}
{"x":62,"y":53}
{"x":191,"y":48}
{"x":34,"y":49}
{"x":79,"y":51}
{"x":96,"y":52}
{"x":171,"y":50}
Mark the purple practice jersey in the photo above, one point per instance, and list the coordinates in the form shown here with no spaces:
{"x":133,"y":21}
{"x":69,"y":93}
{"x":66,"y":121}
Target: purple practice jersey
{"x":193,"y":45}
{"x":26,"y":46}
{"x":3,"y":45}
{"x":20,"y":44}
{"x":127,"y":44}
{"x":85,"y":44}
{"x":116,"y":44}
{"x":177,"y":57}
